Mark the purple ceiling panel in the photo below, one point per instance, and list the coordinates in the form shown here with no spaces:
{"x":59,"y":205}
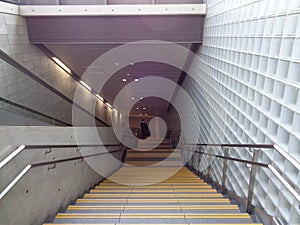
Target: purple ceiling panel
{"x":120,"y":2}
{"x":179,"y":1}
{"x":115,"y":29}
{"x":38,"y":2}
{"x":82,"y":2}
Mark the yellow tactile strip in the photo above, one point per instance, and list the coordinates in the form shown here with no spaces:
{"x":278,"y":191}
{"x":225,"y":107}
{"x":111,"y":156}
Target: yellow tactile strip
{"x":168,"y":200}
{"x":179,"y":187}
{"x":151,"y":216}
{"x":154,"y":191}
{"x":152,"y":224}
{"x":153,"y":195}
{"x":162,"y":207}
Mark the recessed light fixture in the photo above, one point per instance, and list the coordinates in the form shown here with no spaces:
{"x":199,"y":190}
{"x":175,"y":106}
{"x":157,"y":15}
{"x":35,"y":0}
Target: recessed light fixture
{"x":146,"y":114}
{"x":85,"y":85}
{"x":62,"y":65}
{"x":144,"y":108}
{"x":131,"y":64}
{"x":128,"y":74}
{"x":141,"y":98}
{"x":132,"y":98}
{"x":117,"y":63}
{"x":124,"y":80}
{"x":136,"y":79}
{"x":137,"y":108}
{"x":99,"y":97}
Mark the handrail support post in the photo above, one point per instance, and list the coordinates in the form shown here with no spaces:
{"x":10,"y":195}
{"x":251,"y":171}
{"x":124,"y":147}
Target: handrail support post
{"x":253,"y":172}
{"x":225,"y":165}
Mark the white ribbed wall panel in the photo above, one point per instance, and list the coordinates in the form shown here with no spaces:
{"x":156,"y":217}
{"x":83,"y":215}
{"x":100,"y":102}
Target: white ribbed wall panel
{"x":252,"y":49}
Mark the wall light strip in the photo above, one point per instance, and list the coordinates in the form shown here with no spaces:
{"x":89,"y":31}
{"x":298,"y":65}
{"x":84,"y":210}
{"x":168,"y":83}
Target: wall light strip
{"x":85,"y":85}
{"x":12,"y":155}
{"x":62,"y":65}
{"x":10,"y":186}
{"x":99,"y":97}
{"x":115,"y":110}
{"x":109,"y":105}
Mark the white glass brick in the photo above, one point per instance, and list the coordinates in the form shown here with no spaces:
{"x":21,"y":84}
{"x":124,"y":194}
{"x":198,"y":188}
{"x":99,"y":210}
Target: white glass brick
{"x":272,"y":66}
{"x":296,"y":48}
{"x":286,"y":47}
{"x":291,"y":95}
{"x":275,"y":46}
{"x":282,"y":69}
{"x":291,"y":24}
{"x":282,"y":5}
{"x":279,"y":24}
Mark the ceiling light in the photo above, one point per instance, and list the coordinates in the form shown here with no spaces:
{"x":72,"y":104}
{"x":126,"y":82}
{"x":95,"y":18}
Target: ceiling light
{"x":137,"y":108}
{"x":117,"y":63}
{"x":99,"y":97}
{"x":124,"y":80}
{"x":136,"y":79}
{"x":131,"y":64}
{"x":141,"y":98}
{"x":128,"y":74}
{"x":62,"y":65}
{"x":85,"y":85}
{"x":146,"y":114}
{"x":144,"y":108}
{"x":132,"y":98}
{"x":109,"y":105}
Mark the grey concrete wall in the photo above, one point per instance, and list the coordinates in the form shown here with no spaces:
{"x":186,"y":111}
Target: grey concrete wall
{"x":21,"y":89}
{"x":44,"y":190}
{"x":12,"y":118}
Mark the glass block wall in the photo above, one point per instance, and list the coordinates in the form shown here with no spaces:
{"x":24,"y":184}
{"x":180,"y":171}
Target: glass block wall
{"x":252,"y":51}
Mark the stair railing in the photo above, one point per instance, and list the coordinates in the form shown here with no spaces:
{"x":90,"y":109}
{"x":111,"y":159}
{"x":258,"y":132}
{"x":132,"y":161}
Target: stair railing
{"x":22,"y":148}
{"x":256,"y":149}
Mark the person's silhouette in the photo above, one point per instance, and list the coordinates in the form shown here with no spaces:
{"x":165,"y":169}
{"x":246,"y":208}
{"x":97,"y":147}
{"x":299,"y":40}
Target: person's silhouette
{"x":144,"y":129}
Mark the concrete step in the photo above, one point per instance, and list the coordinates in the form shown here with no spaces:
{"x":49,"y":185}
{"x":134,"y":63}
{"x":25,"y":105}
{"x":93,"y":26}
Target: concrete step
{"x":164,"y":218}
{"x":179,"y":198}
{"x":162,"y":201}
{"x":131,"y":209}
{"x":153,"y":195}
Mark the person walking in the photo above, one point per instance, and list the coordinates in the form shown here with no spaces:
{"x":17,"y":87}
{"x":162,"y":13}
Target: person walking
{"x":144,"y":129}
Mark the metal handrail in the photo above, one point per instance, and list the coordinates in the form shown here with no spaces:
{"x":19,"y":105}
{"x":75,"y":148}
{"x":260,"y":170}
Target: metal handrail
{"x":276,"y":147}
{"x":239,"y":145}
{"x":254,"y":164}
{"x":70,"y":159}
{"x":21,"y":148}
{"x":34,"y":165}
{"x":287,"y":156}
{"x":230,"y":158}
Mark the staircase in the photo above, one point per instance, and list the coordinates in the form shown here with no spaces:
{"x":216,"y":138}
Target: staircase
{"x":145,"y":191}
